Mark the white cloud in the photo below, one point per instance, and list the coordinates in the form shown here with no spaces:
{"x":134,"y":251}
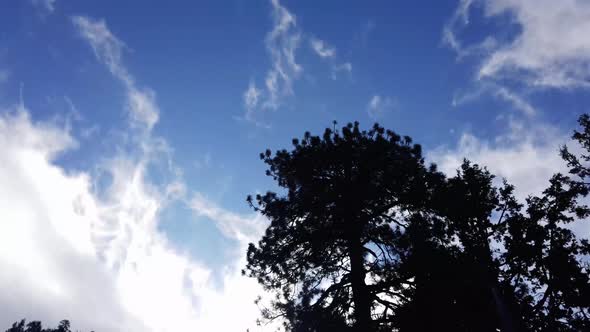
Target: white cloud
{"x":322,"y":49}
{"x":549,"y":50}
{"x":142,"y":106}
{"x":47,"y":254}
{"x":251,"y":99}
{"x":281,"y":43}
{"x":526,"y":155}
{"x":241,"y":228}
{"x":459,"y":19}
{"x":552,"y":48}
{"x":517,"y":102}
{"x":378,"y":106}
{"x":239,"y":289}
{"x":75,"y":248}
{"x":108,"y":49}
{"x":102,"y":262}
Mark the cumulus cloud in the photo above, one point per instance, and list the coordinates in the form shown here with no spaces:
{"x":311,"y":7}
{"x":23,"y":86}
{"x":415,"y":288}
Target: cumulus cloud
{"x":526,"y":155}
{"x":47,"y":254}
{"x":100,"y":259}
{"x":379,"y":105}
{"x":550,"y":48}
{"x":74,"y":247}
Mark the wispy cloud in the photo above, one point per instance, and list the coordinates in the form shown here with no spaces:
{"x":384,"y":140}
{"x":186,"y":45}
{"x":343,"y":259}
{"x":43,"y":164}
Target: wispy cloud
{"x":458,"y":20}
{"x":515,"y":100}
{"x":322,"y":49}
{"x":518,"y":102}
{"x":245,"y":229}
{"x":189,"y":298}
{"x":379,"y":105}
{"x":550,"y":49}
{"x":141,"y":103}
{"x":281,"y":43}
{"x":251,"y":99}
{"x":327,"y":52}
{"x":345,"y":67}
{"x":47,"y":6}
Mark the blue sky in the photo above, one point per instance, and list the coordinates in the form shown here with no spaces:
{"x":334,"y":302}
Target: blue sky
{"x":132,"y":131}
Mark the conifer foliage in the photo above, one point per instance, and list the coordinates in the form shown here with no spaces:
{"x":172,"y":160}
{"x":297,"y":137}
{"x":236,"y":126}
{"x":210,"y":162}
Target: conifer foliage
{"x":364,"y":236}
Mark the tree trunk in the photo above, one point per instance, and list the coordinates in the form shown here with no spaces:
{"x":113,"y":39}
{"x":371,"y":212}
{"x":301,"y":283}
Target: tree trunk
{"x":362,"y":304}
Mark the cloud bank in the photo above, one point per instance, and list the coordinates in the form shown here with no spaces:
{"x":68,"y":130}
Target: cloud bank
{"x":94,"y":253}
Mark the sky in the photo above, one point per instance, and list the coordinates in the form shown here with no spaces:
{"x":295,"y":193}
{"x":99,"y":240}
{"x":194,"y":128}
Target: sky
{"x":130,"y":131}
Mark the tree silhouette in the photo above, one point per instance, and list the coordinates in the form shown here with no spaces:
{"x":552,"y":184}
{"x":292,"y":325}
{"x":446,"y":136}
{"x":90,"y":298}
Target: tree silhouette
{"x":36,"y":326}
{"x":451,"y":262}
{"x":330,"y":251}
{"x":367,"y":238}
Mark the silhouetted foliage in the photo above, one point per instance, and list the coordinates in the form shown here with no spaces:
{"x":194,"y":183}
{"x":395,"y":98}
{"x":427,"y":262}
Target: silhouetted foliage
{"x":36,"y":326}
{"x":368,"y":238}
{"x":344,"y":191}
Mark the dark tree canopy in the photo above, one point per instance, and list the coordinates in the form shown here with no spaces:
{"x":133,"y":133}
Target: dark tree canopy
{"x":344,"y":192}
{"x":366,"y":237}
{"x":36,"y":326}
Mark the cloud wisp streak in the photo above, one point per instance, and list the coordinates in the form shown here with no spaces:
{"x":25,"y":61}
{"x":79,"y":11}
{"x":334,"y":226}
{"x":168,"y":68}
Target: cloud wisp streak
{"x":108,"y":49}
{"x":515,"y":100}
{"x":321,"y":48}
{"x":282,"y":43}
